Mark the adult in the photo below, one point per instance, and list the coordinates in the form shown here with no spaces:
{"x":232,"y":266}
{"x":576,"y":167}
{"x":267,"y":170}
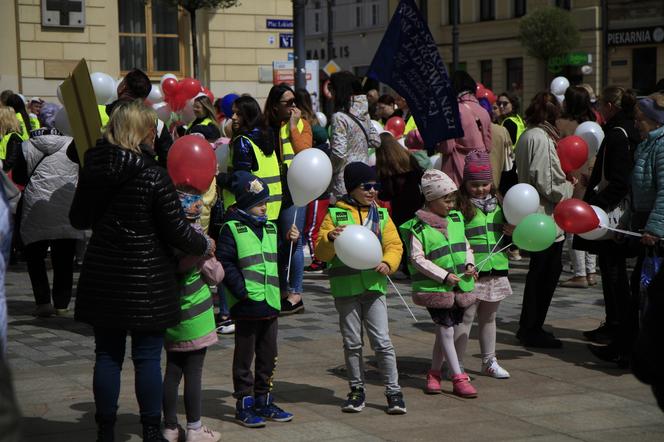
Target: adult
{"x":509,"y":105}
{"x":577,"y":109}
{"x":10,"y":137}
{"x":205,"y":122}
{"x":386,"y":108}
{"x":538,"y":165}
{"x":127,"y":283}
{"x":50,"y":181}
{"x":608,"y":188}
{"x":352,"y":133}
{"x":476,"y":124}
{"x":25,"y":122}
{"x":292,"y":135}
{"x":4,"y":95}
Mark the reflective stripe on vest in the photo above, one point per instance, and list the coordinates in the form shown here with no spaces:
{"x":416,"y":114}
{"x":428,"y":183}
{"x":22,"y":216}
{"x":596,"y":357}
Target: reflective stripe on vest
{"x":268,"y":171}
{"x":101,"y":108}
{"x":204,"y":122}
{"x":520,"y":126}
{"x":345,"y":281}
{"x":196,"y":310}
{"x":483,"y":232}
{"x":410,"y":125}
{"x":286,"y":145}
{"x":24,"y":129}
{"x":4,"y":142}
{"x":447,"y":253}
{"x":258,"y":263}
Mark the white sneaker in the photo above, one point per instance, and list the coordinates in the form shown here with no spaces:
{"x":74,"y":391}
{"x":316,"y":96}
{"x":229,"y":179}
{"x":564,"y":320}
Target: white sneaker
{"x":173,"y":434}
{"x":491,"y":368}
{"x":203,"y":434}
{"x":226,"y":329}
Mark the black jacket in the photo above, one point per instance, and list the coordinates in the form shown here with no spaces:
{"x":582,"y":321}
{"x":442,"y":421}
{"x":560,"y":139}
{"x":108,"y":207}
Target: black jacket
{"x":128,"y":277}
{"x":233,"y":278}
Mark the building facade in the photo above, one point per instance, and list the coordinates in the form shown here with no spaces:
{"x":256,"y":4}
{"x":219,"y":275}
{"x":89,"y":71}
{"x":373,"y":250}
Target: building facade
{"x":236,"y":45}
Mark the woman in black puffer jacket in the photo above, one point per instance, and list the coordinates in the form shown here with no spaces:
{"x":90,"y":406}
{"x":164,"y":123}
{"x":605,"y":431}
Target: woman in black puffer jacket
{"x":127,"y":283}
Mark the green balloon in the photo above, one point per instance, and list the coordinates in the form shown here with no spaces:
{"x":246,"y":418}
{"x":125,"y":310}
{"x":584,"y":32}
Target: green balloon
{"x":535,"y":233}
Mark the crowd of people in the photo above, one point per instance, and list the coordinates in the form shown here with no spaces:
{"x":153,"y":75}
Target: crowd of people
{"x":173,"y":264}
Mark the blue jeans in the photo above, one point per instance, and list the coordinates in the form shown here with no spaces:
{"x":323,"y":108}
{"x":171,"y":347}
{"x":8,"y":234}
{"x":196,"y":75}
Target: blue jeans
{"x":146,"y":355}
{"x":297,"y":262}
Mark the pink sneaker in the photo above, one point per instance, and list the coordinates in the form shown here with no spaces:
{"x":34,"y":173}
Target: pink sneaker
{"x":461,"y":386}
{"x":433,"y":382}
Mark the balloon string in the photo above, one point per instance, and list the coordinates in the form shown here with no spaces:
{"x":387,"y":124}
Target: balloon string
{"x":624,"y":232}
{"x":485,"y":260}
{"x":402,"y":300}
{"x":290,"y":254}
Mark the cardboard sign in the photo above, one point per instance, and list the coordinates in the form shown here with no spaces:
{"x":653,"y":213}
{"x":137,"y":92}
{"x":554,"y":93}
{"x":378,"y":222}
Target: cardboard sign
{"x":81,"y":106}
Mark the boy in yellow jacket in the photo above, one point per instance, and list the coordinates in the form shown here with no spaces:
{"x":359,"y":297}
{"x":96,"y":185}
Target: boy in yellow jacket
{"x":359,"y":295}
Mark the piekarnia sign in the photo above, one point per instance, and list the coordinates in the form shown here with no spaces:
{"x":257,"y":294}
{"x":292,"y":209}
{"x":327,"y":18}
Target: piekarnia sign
{"x":640,"y":36}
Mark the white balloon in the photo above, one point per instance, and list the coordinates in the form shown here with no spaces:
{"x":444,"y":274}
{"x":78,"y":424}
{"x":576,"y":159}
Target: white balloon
{"x":560,"y":98}
{"x":520,"y":201}
{"x":322,"y":119}
{"x":222,"y":152}
{"x":593,"y":134}
{"x":163,"y":111}
{"x":309,"y":175}
{"x":436,"y":161}
{"x":559,"y":85}
{"x":61,"y":122}
{"x":165,"y":76}
{"x":103,"y":85}
{"x":25,"y":100}
{"x":155,"y":95}
{"x":377,"y":126}
{"x":58,"y":92}
{"x":601,"y":230}
{"x":358,"y":248}
{"x":187,"y":112}
{"x":372,"y":159}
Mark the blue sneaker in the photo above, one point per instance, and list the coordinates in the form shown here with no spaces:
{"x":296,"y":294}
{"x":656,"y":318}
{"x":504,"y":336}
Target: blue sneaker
{"x":267,"y":409}
{"x":246,"y":414}
{"x":355,"y":401}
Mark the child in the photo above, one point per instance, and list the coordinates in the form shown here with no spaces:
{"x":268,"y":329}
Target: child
{"x":442,"y":268}
{"x":485,"y":225}
{"x":247,"y":248}
{"x":359,"y":296}
{"x":187,"y":342}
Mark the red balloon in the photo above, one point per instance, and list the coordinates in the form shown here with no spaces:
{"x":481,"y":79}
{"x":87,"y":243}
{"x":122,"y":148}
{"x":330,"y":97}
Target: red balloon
{"x":395,"y":126}
{"x":572,"y":153}
{"x":192,"y":162}
{"x":169,"y":86}
{"x":575,"y":216}
{"x":482,"y":92}
{"x":209,"y":94}
{"x":190,"y":87}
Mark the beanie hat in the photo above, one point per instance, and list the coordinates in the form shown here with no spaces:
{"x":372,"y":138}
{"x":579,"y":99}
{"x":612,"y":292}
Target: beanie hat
{"x":435,"y":185}
{"x":652,"y":110}
{"x":248,"y":189}
{"x":477,"y":167}
{"x":358,"y":173}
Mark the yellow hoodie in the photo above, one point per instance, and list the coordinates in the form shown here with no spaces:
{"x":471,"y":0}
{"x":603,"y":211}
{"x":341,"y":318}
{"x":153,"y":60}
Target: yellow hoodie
{"x":392,"y":247}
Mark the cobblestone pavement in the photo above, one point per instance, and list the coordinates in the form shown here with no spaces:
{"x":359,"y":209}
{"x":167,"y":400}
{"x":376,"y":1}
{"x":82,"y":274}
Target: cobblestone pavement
{"x":553,"y":395}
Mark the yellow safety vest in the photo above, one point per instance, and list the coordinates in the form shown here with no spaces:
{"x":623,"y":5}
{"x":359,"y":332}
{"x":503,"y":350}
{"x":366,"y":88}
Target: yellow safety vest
{"x":103,"y":115}
{"x":410,"y":125}
{"x":520,"y":126}
{"x":286,"y":146}
{"x":4,"y":142}
{"x":205,"y":122}
{"x":268,"y":171}
{"x":24,"y":130}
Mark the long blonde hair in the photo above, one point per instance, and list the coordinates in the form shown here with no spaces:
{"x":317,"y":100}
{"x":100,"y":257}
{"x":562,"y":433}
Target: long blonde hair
{"x":8,"y":121}
{"x":130,"y":123}
{"x":209,"y":109}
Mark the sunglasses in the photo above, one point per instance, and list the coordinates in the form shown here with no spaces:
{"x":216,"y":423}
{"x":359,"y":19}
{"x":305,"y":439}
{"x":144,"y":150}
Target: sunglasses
{"x":288,"y":103}
{"x":367,"y":187}
{"x":502,"y":103}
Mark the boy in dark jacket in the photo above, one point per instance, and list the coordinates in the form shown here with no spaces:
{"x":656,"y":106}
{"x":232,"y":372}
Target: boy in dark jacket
{"x":247,"y":249}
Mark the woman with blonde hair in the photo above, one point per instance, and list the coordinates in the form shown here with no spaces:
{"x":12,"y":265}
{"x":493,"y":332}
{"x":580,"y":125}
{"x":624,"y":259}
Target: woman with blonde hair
{"x":206,"y":119}
{"x":128,"y":282}
{"x":10,"y":131}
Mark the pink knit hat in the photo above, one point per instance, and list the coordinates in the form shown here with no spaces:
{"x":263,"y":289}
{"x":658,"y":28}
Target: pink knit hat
{"x":435,"y":185}
{"x":477,"y":167}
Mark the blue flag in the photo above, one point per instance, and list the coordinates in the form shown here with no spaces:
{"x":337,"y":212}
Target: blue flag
{"x":408,"y":61}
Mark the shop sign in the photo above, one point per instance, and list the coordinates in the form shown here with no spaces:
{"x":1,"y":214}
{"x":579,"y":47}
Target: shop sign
{"x":634,"y":37}
{"x":556,"y":64}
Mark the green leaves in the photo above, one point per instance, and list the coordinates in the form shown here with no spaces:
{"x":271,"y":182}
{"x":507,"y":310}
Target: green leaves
{"x":548,"y":32}
{"x":193,"y":5}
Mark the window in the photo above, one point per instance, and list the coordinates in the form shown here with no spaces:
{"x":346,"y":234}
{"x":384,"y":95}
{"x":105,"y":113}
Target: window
{"x":450,"y":11}
{"x":564,"y":4}
{"x":150,"y":37}
{"x":514,"y":67}
{"x":316,"y":22}
{"x":519,"y":8}
{"x":487,"y":10}
{"x":486,"y":73}
{"x":358,"y":16}
{"x":374,"y":15}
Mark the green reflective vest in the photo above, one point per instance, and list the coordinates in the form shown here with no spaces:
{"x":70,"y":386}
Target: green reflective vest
{"x":24,"y":130}
{"x":34,"y":122}
{"x":4,"y":142}
{"x":268,"y":171}
{"x":447,"y":253}
{"x":345,"y":281}
{"x":258,"y":262}
{"x":197,"y":314}
{"x":205,"y":122}
{"x":483,"y":232}
{"x":410,"y":125}
{"x":520,"y":126}
{"x":101,"y":108}
{"x":286,"y":146}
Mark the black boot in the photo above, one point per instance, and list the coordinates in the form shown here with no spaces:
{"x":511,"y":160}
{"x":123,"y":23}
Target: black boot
{"x":105,"y":427}
{"x":152,"y":429}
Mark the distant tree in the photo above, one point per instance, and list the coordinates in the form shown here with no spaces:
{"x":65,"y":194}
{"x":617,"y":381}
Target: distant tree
{"x":191,"y":6}
{"x":548,"y":32}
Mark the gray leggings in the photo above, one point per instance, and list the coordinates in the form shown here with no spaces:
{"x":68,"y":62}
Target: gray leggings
{"x":189,"y":364}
